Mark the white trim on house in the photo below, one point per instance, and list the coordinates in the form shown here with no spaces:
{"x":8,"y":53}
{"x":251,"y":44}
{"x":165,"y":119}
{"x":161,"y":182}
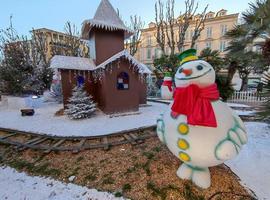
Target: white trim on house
{"x":78,"y":63}
{"x":69,"y":62}
{"x":143,"y":69}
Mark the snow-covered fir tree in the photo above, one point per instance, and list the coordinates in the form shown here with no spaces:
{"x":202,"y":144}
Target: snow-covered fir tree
{"x":80,"y":105}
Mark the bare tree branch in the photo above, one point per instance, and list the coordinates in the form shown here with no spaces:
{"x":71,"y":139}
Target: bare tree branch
{"x":199,"y":26}
{"x":136,"y":24}
{"x":160,"y":23}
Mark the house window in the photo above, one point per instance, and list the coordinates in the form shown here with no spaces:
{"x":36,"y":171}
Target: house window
{"x":209,"y":45}
{"x":149,"y":53}
{"x":80,"y":81}
{"x":123,"y":81}
{"x":209,"y":32}
{"x":222,"y":46}
{"x":158,"y":53}
{"x":224,"y":29}
{"x":149,"y":40}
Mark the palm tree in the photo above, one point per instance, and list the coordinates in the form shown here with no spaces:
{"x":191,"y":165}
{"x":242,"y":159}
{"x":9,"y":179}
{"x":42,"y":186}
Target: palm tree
{"x":256,"y":23}
{"x":212,"y":57}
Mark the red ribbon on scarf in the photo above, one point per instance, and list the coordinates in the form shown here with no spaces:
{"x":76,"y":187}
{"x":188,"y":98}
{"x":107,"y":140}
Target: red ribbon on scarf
{"x":195,"y":103}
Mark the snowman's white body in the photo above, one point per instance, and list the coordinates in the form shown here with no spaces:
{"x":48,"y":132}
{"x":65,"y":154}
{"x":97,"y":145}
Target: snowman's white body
{"x":200,"y":147}
{"x":166,"y":94}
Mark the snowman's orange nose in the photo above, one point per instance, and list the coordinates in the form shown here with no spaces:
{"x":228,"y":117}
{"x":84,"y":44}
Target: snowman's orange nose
{"x":187,"y":72}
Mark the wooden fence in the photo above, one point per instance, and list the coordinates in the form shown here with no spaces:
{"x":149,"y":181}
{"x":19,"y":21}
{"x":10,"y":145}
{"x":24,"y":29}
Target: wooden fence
{"x":247,"y":96}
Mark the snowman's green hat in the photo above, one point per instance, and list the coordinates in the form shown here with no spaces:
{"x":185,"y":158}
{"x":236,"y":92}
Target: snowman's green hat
{"x":187,"y":56}
{"x":167,"y":74}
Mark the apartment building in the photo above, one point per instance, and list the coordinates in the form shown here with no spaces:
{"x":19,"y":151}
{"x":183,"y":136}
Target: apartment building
{"x":213,"y":36}
{"x":58,"y":43}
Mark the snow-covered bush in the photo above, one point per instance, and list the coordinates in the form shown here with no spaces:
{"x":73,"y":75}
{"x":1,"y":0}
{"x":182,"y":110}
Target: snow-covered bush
{"x":152,"y":90}
{"x":80,"y":105}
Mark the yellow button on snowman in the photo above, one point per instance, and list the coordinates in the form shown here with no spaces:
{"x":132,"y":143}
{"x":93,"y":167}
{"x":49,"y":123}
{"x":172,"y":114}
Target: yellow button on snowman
{"x":198,"y":128}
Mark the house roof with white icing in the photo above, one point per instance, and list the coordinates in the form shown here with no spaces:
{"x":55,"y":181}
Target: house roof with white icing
{"x":78,"y":63}
{"x":69,"y":62}
{"x":143,"y":69}
{"x":106,"y":18}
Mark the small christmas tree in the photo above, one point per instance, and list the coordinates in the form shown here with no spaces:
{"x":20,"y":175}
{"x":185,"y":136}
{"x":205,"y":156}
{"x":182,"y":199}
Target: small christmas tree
{"x":80,"y":105}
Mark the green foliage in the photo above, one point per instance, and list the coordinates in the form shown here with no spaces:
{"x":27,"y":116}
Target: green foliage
{"x":22,"y":68}
{"x":225,"y":88}
{"x":118,"y":194}
{"x":256,"y":24}
{"x":161,"y":192}
{"x":265,"y":113}
{"x":126,"y":187}
{"x":190,"y":195}
{"x":212,"y":57}
{"x":266,"y":51}
{"x":166,"y":63}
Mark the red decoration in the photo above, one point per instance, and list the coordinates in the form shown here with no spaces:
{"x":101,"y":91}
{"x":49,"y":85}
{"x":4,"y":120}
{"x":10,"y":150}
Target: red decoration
{"x":168,"y":84}
{"x":195,"y":103}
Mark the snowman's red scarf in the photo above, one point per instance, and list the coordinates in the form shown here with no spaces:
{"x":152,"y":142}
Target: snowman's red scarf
{"x":168,"y":84}
{"x":195,"y":103}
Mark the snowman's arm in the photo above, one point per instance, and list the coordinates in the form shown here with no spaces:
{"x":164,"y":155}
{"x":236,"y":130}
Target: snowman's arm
{"x":240,"y":129}
{"x":231,"y":145}
{"x":161,"y":128}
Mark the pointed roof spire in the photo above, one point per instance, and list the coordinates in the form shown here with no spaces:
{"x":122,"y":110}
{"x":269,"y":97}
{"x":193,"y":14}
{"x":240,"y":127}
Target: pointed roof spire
{"x":106,"y":18}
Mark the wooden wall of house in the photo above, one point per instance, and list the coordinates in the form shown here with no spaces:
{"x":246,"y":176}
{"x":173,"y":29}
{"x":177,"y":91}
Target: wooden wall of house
{"x":108,"y":43}
{"x":69,"y":81}
{"x":105,"y":92}
{"x":120,"y":100}
{"x":143,"y":91}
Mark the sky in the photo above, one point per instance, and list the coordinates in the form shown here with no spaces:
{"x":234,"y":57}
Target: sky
{"x":53,"y":14}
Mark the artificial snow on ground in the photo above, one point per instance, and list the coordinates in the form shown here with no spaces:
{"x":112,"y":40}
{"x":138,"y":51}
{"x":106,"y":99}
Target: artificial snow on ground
{"x":252,"y":165}
{"x":19,"y":186}
{"x":238,"y":105}
{"x":45,"y":122}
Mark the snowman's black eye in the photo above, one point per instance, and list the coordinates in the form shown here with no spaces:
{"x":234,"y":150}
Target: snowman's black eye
{"x":199,"y":67}
{"x":180,"y":70}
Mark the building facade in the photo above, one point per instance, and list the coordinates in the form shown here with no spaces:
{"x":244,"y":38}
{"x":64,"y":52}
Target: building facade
{"x":58,"y":43}
{"x":213,"y":36}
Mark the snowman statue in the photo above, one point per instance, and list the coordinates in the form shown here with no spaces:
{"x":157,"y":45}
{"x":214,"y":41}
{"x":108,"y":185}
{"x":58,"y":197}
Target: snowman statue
{"x":198,"y":128}
{"x":167,"y":87}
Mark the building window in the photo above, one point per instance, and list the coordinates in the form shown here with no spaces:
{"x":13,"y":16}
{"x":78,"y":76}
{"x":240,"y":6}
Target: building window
{"x":123,"y":81}
{"x":158,"y":53}
{"x":224,"y":29}
{"x":191,"y":34}
{"x":222,"y":47}
{"x":149,"y":40}
{"x":209,"y":45}
{"x":149,"y":54}
{"x":61,"y":37}
{"x":55,"y":38}
{"x":209,"y":32}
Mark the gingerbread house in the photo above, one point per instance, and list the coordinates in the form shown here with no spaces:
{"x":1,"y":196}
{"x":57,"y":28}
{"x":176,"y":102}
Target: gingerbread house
{"x":115,"y":79}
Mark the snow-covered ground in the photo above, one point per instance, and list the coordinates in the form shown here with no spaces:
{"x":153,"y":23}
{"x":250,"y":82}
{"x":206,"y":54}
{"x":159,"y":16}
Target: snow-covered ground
{"x":238,"y":105}
{"x":19,"y":186}
{"x":253,"y":163}
{"x":44,"y":121}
